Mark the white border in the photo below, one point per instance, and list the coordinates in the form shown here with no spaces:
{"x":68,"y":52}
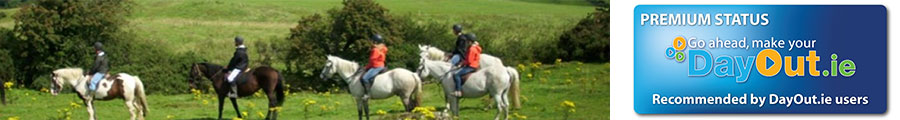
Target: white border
{"x":622,"y":87}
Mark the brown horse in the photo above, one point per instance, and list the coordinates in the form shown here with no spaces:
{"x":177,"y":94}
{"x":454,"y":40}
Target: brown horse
{"x":266,"y":78}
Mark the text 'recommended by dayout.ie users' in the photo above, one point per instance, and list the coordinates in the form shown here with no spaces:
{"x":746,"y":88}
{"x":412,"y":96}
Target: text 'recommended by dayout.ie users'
{"x":760,"y":59}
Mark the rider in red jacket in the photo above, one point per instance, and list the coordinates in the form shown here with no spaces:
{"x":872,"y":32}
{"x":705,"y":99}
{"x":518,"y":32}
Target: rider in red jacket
{"x":377,"y":56}
{"x":472,"y":57}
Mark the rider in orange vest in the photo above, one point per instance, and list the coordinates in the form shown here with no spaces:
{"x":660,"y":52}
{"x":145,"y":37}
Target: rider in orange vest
{"x":377,"y":56}
{"x":472,"y":56}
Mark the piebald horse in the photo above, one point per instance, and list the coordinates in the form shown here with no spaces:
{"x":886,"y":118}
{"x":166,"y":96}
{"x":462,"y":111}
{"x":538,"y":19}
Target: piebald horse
{"x":260,"y":78}
{"x":497,"y":81}
{"x":120,"y":85}
{"x":400,"y":82}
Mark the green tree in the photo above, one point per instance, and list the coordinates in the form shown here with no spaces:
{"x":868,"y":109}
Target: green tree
{"x":53,"y":34}
{"x":589,"y":40}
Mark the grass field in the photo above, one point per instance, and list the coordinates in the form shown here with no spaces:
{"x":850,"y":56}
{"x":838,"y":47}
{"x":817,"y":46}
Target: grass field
{"x":587,"y":85}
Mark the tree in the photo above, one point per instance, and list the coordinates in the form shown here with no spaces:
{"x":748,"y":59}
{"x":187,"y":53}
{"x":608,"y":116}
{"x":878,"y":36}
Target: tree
{"x":589,"y":40}
{"x":53,"y":34}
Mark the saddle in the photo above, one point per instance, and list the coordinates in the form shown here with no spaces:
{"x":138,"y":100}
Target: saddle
{"x":465,"y":77}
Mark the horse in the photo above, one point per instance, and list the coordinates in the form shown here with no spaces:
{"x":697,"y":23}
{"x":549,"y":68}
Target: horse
{"x":260,"y":78}
{"x":500,"y":82}
{"x":122,"y":85}
{"x":433,"y":53}
{"x":436,"y":55}
{"x":400,"y":82}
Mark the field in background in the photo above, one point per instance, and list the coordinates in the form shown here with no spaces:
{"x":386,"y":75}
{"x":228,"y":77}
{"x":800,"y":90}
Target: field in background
{"x":208,"y":26}
{"x":587,"y":85}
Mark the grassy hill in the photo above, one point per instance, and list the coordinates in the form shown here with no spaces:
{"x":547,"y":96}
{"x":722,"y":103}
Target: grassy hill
{"x":207,"y":26}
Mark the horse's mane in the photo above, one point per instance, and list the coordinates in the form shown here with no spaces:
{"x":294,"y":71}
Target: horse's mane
{"x":343,"y":64}
{"x":431,"y":52}
{"x":211,"y":68}
{"x":69,"y":72}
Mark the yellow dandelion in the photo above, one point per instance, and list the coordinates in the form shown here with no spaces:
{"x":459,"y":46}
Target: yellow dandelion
{"x":170,"y":117}
{"x":261,"y":115}
{"x":8,"y":84}
{"x":244,"y":113}
{"x":381,"y":112}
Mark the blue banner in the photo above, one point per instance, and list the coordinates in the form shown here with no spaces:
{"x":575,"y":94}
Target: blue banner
{"x":760,"y":59}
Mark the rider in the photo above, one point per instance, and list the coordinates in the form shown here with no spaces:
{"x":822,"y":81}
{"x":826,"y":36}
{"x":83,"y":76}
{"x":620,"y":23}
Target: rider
{"x":237,"y":64}
{"x":377,"y":56}
{"x":470,"y":62}
{"x":101,"y":66}
{"x":461,"y":45}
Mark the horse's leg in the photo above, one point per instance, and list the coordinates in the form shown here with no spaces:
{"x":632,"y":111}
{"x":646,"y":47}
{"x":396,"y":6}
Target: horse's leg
{"x":221,"y":102}
{"x":131,"y":109}
{"x":506,"y":105}
{"x":406,"y":104}
{"x":273,"y":103}
{"x":366,"y":110}
{"x":359,"y":108}
{"x":499,"y":100}
{"x":454,"y":105}
{"x":90,"y":109}
{"x":238,"y":111}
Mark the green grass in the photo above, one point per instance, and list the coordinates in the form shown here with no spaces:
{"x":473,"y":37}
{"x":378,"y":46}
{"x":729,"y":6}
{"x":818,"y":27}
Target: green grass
{"x":542,"y":95}
{"x":207,"y":26}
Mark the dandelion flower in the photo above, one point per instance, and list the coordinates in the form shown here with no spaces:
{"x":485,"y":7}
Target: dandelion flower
{"x":381,"y":112}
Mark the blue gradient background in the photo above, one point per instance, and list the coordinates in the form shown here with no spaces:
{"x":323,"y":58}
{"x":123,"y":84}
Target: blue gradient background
{"x":855,"y":32}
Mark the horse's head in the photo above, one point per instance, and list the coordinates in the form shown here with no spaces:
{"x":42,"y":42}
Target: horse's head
{"x":55,"y":83}
{"x":59,"y":77}
{"x":195,"y":75}
{"x":422,"y":70}
{"x":329,"y":68}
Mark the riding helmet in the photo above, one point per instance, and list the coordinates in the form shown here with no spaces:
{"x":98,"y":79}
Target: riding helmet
{"x":457,"y":28}
{"x":471,"y":37}
{"x":98,"y":45}
{"x":377,"y":38}
{"x":239,"y":40}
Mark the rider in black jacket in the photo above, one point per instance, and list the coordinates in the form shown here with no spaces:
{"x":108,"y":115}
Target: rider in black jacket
{"x":461,"y":45}
{"x":238,"y":63}
{"x":101,"y":67}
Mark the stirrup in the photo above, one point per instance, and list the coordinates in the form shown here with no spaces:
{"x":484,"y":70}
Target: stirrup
{"x":233,"y":92}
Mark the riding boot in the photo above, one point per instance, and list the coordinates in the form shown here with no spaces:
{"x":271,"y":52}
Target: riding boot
{"x":233,"y":93}
{"x":366,"y":87}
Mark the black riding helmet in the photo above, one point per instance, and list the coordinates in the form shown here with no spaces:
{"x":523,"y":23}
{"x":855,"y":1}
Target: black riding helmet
{"x":98,"y":46}
{"x":239,"y":40}
{"x":457,"y":28}
{"x":377,"y":38}
{"x":471,"y":37}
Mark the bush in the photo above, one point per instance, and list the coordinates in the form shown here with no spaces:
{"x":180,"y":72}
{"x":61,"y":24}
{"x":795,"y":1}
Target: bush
{"x":589,"y":40}
{"x":345,"y":33}
{"x":54,"y":34}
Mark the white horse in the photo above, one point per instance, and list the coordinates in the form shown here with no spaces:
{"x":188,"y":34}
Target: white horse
{"x":400,"y":82}
{"x":438,"y":56}
{"x":497,"y":81}
{"x":121,"y":85}
{"x":433,"y":53}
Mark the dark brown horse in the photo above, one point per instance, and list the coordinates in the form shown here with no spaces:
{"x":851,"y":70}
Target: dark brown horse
{"x":266,"y":78}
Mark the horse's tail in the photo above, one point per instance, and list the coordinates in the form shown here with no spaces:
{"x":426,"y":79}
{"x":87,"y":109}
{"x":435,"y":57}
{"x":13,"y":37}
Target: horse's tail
{"x":514,"y":86}
{"x":279,"y":89}
{"x":417,"y":98}
{"x":141,"y":95}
